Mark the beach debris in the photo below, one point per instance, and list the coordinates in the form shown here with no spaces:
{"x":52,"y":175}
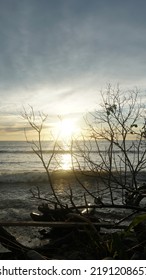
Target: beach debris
{"x":47,"y":213}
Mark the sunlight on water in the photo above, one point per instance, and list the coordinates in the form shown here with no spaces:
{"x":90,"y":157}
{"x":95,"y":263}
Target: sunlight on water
{"x":65,"y":162}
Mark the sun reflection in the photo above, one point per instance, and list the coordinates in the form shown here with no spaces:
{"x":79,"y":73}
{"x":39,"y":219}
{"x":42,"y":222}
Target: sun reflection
{"x":65,"y":162}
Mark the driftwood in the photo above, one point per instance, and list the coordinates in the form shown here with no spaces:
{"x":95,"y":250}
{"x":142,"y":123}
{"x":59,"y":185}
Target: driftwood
{"x":59,"y":214}
{"x":47,"y":214}
{"x":69,"y":230}
{"x":60,"y":224}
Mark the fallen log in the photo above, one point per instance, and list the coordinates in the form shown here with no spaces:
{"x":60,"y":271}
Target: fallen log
{"x":59,"y":224}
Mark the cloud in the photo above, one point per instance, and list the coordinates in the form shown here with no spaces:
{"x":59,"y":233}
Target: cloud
{"x":57,"y":55}
{"x":52,"y":43}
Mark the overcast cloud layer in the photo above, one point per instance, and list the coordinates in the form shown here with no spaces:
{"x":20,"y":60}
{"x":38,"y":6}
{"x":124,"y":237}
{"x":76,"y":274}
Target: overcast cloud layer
{"x":56,"y":55}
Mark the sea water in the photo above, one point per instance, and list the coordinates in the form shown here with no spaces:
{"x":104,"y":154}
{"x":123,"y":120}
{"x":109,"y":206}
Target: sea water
{"x":19,"y":161}
{"x":21,"y":172}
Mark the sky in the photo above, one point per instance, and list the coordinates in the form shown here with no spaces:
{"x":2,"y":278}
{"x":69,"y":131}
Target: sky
{"x":57,"y":55}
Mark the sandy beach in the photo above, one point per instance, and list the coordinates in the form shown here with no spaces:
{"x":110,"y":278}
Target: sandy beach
{"x":17,"y":202}
{"x":19,"y":199}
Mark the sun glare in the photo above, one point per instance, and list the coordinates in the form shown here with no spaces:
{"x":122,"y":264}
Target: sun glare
{"x":66,"y":128}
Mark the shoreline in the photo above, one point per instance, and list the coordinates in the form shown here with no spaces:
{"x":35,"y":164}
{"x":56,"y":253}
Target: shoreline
{"x":17,"y":202}
{"x":69,"y":174}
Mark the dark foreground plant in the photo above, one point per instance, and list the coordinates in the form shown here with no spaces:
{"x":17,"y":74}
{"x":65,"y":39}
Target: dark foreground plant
{"x":116,"y":137}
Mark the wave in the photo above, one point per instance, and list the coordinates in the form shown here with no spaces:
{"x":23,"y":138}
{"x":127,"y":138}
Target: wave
{"x":15,"y":152}
{"x":35,"y":177}
{"x":33,"y":152}
{"x":23,"y":177}
{"x":67,"y":152}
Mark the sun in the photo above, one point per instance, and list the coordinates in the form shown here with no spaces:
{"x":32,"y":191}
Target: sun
{"x":66,"y":128}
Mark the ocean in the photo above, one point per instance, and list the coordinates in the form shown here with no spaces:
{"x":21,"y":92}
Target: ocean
{"x":19,"y":163}
{"x":22,"y":175}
